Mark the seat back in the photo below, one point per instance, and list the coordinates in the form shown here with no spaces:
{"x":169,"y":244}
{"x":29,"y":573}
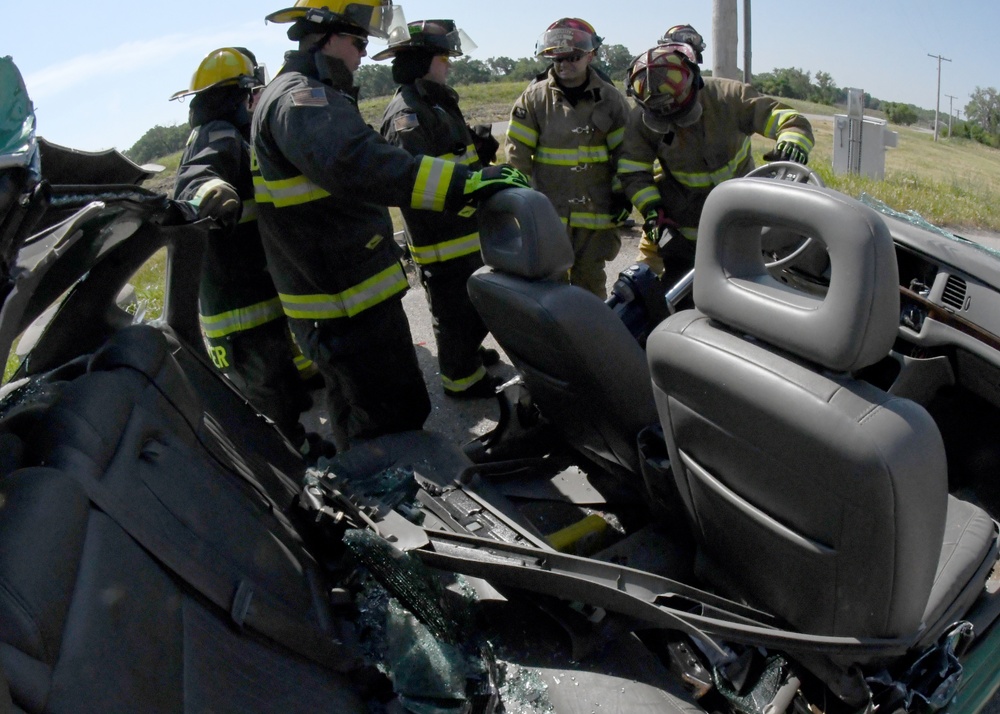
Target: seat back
{"x":585,"y":371}
{"x":812,"y":494}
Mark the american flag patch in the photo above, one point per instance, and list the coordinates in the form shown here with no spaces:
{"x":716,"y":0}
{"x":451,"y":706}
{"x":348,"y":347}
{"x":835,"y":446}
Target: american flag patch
{"x":315,"y":97}
{"x":405,"y":122}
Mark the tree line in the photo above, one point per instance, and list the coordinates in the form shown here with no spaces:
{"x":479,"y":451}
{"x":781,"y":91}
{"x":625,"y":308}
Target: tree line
{"x":982,"y":122}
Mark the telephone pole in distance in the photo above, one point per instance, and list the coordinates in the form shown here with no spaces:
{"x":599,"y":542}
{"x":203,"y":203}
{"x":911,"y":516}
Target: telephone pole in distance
{"x":937,"y":107}
{"x":951,"y":113}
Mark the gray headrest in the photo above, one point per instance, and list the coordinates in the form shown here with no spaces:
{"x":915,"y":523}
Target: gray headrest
{"x":853,"y":326}
{"x":521,"y":234}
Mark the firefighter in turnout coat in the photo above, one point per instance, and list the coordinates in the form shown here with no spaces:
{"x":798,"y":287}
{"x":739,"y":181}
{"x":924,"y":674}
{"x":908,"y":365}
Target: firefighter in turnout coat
{"x":323,"y":179}
{"x":566,"y":131}
{"x":241,"y":316}
{"x":424,"y":118}
{"x":698,"y":131}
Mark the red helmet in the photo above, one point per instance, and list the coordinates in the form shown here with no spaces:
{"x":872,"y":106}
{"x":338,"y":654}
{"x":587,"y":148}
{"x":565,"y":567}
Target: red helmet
{"x":567,"y":36}
{"x":665,"y":81}
{"x":686,"y":35}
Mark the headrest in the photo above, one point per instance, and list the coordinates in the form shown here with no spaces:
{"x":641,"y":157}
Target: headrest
{"x":521,"y":234}
{"x":853,"y":326}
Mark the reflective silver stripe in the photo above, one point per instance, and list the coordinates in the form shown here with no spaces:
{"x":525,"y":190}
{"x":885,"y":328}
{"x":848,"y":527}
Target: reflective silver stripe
{"x":431,"y":187}
{"x":626,"y":166}
{"x":350,"y":302}
{"x":592,"y":221}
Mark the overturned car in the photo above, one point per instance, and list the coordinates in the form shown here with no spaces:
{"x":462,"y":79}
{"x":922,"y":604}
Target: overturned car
{"x":785,"y":503}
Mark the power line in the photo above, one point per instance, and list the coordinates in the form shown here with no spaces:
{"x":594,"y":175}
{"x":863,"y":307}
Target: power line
{"x":937,"y":107}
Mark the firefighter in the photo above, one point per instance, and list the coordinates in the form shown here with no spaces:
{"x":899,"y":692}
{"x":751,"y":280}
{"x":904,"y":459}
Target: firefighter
{"x":423,"y":117}
{"x":698,"y":130}
{"x":245,"y":329}
{"x":323,"y":180}
{"x":687,"y":35}
{"x":566,"y":131}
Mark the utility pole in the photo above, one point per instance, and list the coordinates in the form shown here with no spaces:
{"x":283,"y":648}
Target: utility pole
{"x":747,"y":74}
{"x":725,"y":38}
{"x":951,"y":113}
{"x":937,"y":107}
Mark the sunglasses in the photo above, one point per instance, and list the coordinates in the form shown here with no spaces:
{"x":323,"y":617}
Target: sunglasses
{"x":360,"y":43}
{"x":575,"y":57}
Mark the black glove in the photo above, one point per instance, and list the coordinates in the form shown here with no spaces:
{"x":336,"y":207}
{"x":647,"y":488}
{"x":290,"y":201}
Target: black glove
{"x":787,"y":151}
{"x":492,"y":180}
{"x":621,"y":208}
{"x":485,"y":143}
{"x":657,"y":224}
{"x":221,"y":203}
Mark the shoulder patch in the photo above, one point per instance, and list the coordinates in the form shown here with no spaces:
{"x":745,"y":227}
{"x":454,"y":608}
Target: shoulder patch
{"x":520,"y":112}
{"x":315,"y":97}
{"x":406,"y":122}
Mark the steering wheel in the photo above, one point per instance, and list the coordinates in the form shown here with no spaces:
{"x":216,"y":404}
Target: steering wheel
{"x":796,"y":173}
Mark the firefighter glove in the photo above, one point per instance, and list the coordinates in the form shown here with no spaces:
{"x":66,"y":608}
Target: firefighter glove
{"x":486,"y":144}
{"x":787,"y":151}
{"x":621,"y":208}
{"x":221,"y":203}
{"x":657,"y":225}
{"x":492,"y":180}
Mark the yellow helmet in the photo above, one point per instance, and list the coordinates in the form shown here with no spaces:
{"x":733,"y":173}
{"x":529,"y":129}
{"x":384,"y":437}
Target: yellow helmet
{"x":371,"y":17}
{"x":226,"y":65}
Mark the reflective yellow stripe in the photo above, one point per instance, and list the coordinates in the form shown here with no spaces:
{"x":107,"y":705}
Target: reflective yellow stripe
{"x":350,"y":302}
{"x":445,"y":250}
{"x":615,"y":138}
{"x":433,"y":179}
{"x":287,"y":192}
{"x":626,"y":166}
{"x":304,"y":364}
{"x":460,"y":385}
{"x":708,"y":179}
{"x":644,"y":198}
{"x":593,"y":221}
{"x":249,"y":211}
{"x":467,"y":158}
{"x":244,"y":318}
{"x":572,"y":157}
{"x":522,"y":133}
{"x":774,"y":129}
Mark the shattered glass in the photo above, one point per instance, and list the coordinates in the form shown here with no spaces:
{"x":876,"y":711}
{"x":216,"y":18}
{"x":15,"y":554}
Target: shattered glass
{"x":916,"y":219}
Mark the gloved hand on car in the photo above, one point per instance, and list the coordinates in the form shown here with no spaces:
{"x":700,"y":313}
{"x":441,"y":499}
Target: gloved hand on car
{"x":787,"y":151}
{"x":621,"y":208}
{"x":492,"y":180}
{"x":220,"y":202}
{"x":658,"y":224}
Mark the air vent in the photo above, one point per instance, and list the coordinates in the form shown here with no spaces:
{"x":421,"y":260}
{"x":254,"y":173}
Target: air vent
{"x":954,"y":293}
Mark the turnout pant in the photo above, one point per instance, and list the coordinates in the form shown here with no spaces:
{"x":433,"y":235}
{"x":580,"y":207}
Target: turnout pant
{"x":373,"y":380}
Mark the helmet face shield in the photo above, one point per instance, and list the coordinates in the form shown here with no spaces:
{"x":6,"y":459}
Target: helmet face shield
{"x":378,"y":21}
{"x":664,"y":81}
{"x":561,"y":41}
{"x":378,"y":18}
{"x":440,"y":37}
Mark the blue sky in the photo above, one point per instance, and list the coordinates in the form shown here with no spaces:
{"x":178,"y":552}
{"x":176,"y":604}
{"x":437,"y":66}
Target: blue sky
{"x":100,"y":72}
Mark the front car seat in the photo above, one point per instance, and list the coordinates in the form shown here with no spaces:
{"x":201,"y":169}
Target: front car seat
{"x":811,"y":493}
{"x":582,"y":366}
